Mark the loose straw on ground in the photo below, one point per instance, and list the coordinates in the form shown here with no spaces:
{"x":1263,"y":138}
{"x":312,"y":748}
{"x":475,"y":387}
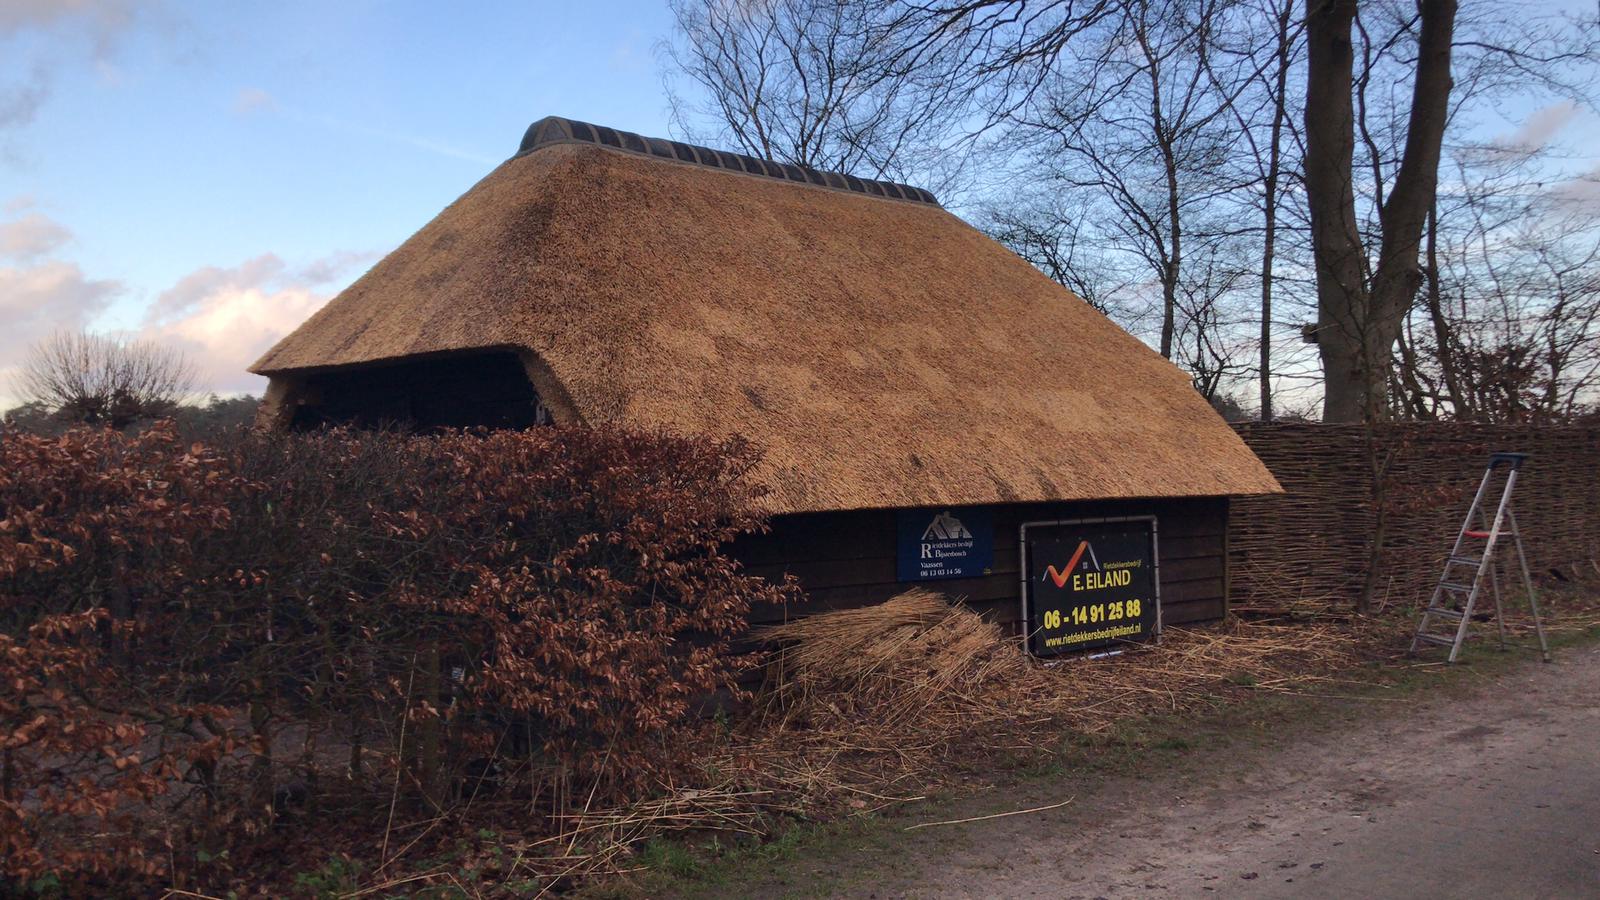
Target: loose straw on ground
{"x":1015,"y":812}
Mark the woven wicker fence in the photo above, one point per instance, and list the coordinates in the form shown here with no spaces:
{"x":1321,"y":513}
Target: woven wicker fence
{"x":1314,"y":542}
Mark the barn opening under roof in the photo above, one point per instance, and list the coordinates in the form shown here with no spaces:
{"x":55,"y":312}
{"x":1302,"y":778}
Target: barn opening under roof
{"x":459,"y":390}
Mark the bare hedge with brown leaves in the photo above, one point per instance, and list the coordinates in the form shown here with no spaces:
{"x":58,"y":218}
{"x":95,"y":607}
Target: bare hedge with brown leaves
{"x":202,"y":642}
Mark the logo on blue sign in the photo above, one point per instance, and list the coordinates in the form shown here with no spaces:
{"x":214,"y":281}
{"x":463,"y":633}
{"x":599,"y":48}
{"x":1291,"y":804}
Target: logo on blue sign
{"x":937,"y":544}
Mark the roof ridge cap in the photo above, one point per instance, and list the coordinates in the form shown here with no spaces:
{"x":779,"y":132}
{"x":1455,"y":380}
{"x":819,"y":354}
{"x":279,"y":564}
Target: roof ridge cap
{"x":553,"y":130}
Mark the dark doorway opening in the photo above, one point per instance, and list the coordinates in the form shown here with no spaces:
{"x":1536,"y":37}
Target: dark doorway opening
{"x":462,"y":391}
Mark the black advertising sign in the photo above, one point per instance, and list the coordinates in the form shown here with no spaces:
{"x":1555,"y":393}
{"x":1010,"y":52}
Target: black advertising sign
{"x":1089,"y":584}
{"x":933,"y":544}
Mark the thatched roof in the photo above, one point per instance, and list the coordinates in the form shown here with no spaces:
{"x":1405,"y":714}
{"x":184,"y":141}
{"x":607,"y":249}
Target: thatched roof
{"x":881,"y":350}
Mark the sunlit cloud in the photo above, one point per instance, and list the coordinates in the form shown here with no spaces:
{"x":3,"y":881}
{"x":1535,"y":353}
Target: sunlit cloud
{"x":224,"y":318}
{"x":40,"y":296}
{"x":227,"y":330}
{"x":1540,"y":128}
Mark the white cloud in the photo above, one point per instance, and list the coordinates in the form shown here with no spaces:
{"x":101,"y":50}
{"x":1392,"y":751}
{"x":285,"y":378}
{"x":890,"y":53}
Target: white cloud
{"x":253,"y":100}
{"x":31,"y":237}
{"x":222,"y":317}
{"x":225,"y":318}
{"x":37,"y":300}
{"x":1535,"y":133}
{"x":68,"y":23}
{"x":100,"y":15}
{"x":1580,"y":194}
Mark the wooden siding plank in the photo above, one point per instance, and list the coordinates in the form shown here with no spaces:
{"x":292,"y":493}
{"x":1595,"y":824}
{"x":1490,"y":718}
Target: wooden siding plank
{"x":865,"y":534}
{"x":1189,"y":547}
{"x":1192,"y":568}
{"x":845,"y":560}
{"x":824,"y":578}
{"x":1185,"y":591}
{"x":1196,"y":611}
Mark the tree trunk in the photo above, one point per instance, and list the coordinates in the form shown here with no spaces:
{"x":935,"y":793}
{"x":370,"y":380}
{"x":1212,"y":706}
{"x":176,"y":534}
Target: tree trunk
{"x":1443,"y":334}
{"x":1172,"y":271}
{"x":1358,"y":323}
{"x":1270,"y":206}
{"x":1330,"y":195}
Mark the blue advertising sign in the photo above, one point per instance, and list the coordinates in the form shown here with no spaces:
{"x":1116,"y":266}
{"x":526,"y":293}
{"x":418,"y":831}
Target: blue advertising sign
{"x":944,"y":543}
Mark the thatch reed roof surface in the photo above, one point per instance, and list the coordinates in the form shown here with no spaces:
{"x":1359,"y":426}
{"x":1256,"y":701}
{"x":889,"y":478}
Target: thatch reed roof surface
{"x":884,"y":352}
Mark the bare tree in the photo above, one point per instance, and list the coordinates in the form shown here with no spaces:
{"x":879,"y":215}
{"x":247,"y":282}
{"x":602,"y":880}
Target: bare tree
{"x":1507,"y":330}
{"x":1131,"y":115}
{"x":100,"y":380}
{"x":1507,"y":261}
{"x":1214,"y":319}
{"x":1283,"y":59}
{"x":1387,"y":83}
{"x":1139,"y":151}
{"x":1059,"y":233}
{"x":813,"y":83}
{"x":1265,"y":35}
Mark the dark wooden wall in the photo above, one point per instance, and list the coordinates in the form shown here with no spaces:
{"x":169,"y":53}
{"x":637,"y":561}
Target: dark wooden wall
{"x":847,"y":559}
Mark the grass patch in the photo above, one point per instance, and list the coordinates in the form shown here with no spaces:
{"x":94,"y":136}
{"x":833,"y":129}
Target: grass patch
{"x":671,"y":857}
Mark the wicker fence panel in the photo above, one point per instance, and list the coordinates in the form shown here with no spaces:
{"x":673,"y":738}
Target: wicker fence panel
{"x":1313,"y":543}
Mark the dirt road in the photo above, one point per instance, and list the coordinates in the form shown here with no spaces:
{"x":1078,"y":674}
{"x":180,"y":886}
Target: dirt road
{"x":1493,"y":792}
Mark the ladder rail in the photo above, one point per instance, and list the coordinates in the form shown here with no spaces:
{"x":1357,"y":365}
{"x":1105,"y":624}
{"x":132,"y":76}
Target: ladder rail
{"x":1527,"y":585}
{"x":1499,"y":606}
{"x":1477,"y":503}
{"x":1436,"y":600}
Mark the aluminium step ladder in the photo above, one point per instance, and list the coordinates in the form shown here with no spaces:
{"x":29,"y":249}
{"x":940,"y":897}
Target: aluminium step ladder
{"x":1456,"y":596}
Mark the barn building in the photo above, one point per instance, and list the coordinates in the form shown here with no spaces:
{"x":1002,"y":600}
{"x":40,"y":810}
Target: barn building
{"x":910,"y":379}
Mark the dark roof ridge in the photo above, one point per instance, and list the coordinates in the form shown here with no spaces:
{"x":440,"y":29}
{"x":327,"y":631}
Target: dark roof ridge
{"x":552,"y":130}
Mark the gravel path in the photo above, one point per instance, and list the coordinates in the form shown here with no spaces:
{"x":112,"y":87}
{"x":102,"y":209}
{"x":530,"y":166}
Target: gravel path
{"x":1492,"y":792}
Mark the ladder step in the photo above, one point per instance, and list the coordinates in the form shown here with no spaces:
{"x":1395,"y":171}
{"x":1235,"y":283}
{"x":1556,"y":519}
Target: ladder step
{"x":1445,"y":613}
{"x":1458,"y":588}
{"x":1473,"y":561}
{"x":1436,"y":639}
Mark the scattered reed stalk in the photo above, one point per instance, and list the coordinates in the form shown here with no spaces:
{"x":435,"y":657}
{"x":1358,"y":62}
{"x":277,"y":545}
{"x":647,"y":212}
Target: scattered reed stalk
{"x":868,"y":708}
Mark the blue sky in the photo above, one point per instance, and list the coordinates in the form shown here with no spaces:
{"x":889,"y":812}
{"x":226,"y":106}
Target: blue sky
{"x":208,"y":174}
{"x":160,"y":162}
